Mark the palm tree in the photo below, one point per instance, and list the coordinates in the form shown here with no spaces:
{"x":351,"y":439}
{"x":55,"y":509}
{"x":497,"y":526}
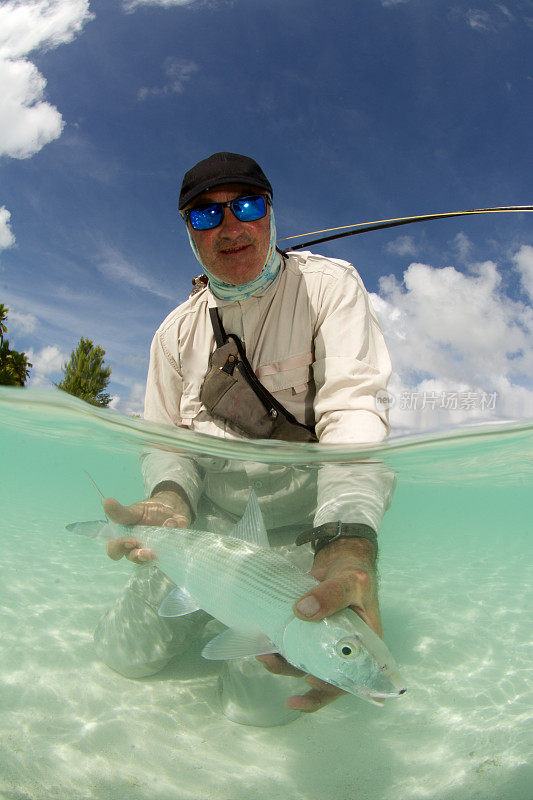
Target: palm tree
{"x":3,"y":316}
{"x":20,"y":367}
{"x":14,"y":366}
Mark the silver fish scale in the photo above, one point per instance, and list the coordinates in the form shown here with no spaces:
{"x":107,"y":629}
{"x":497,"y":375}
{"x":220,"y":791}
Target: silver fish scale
{"x":233,"y":580}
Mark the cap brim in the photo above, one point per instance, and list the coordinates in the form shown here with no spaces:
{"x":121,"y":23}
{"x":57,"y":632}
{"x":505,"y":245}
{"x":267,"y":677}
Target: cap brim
{"x":198,"y":190}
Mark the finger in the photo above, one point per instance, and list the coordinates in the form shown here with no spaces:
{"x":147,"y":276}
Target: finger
{"x":123,"y":515}
{"x":146,"y":512}
{"x":141,"y":555}
{"x":116,"y":548}
{"x":279,"y":666}
{"x":176,"y":521}
{"x":326,"y":598}
{"x":335,"y":595}
{"x":316,"y":698}
{"x":323,"y":600}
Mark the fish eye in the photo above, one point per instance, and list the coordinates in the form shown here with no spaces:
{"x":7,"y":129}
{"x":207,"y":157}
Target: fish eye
{"x":348,"y":648}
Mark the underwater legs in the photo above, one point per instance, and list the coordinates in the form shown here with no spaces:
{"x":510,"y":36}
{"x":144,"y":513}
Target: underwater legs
{"x":132,"y":638}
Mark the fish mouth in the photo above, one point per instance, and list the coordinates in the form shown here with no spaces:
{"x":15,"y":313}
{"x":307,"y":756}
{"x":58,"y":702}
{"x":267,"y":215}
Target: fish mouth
{"x":378,"y":689}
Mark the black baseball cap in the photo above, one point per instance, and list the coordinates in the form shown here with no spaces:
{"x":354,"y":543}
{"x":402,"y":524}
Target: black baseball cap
{"x":218,"y":169}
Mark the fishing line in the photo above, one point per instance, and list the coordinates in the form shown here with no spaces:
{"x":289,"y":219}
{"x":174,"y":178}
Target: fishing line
{"x":376,"y":225}
{"x":94,"y":484}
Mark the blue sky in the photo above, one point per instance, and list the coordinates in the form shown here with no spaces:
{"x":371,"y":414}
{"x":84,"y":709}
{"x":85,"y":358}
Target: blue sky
{"x":356,"y":111}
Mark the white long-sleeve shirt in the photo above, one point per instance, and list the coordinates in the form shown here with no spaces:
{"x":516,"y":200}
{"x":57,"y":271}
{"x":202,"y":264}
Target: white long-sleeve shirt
{"x":314,"y":342}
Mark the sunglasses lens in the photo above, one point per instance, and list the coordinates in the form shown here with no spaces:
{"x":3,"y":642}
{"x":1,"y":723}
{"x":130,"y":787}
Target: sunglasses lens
{"x":248,"y":209}
{"x":206,"y":217}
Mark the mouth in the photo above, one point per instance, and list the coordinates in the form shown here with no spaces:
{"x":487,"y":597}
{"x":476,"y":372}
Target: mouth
{"x":231,"y":251}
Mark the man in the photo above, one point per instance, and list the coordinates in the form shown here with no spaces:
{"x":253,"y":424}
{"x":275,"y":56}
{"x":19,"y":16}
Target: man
{"x":313,"y":340}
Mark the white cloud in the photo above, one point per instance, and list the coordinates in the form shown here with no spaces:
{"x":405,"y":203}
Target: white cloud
{"x":7,"y":237}
{"x":178,"y":73}
{"x":451,"y":333}
{"x":463,"y":245}
{"x":505,"y":11}
{"x":25,"y":26}
{"x":134,"y":403}
{"x":22,"y":323}
{"x":114,"y":265}
{"x":496,"y":19}
{"x":47,"y":361}
{"x":523,"y":260}
{"x":402,"y":246}
{"x":479,"y":20}
{"x":27,"y":121}
{"x":131,"y":5}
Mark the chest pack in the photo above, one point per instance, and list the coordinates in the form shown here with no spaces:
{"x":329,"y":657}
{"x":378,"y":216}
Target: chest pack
{"x":232,"y":392}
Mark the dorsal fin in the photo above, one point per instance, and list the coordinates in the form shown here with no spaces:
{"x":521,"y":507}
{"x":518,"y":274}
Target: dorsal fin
{"x":251,"y":527}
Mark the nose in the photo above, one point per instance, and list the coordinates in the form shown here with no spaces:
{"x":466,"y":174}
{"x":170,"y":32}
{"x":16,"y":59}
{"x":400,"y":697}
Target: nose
{"x":230,"y":225}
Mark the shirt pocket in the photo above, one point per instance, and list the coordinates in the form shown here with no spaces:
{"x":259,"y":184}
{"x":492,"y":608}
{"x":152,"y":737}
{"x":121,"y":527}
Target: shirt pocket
{"x":291,"y":373}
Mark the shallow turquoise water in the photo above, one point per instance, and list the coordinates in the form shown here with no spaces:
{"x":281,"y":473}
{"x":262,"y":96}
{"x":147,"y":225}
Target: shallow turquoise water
{"x":455,"y":592}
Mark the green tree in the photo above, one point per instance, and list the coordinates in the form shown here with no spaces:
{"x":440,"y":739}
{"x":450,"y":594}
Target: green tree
{"x":85,"y":375}
{"x":14,"y":366}
{"x":3,"y":316}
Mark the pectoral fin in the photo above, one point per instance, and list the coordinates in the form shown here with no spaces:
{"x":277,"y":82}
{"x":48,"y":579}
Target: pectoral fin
{"x":177,"y":604}
{"x":238,"y":644}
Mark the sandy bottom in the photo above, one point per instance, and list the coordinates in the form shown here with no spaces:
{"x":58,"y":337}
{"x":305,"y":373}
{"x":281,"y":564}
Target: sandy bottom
{"x":457,"y":616}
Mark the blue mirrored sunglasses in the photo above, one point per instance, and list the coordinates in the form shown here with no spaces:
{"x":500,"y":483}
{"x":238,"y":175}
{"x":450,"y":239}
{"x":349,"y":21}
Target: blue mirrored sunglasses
{"x":246,"y":209}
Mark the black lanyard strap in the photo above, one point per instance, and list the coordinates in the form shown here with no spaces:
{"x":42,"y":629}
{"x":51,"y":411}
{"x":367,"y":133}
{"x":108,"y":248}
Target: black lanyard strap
{"x":218,"y":328}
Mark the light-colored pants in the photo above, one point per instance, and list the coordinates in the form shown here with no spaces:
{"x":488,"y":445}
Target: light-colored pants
{"x":134,"y":640}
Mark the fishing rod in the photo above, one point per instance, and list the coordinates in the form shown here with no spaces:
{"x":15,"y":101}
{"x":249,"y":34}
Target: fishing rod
{"x":376,"y":225}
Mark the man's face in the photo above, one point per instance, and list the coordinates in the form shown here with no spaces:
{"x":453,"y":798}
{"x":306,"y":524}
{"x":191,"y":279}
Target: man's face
{"x":235,"y":252}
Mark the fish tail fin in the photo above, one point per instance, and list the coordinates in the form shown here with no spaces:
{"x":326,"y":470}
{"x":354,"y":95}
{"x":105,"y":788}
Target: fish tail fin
{"x":95,"y":529}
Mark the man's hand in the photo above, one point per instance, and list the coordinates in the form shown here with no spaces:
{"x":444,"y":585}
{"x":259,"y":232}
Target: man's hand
{"x":346,"y":571}
{"x":169,"y":509}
